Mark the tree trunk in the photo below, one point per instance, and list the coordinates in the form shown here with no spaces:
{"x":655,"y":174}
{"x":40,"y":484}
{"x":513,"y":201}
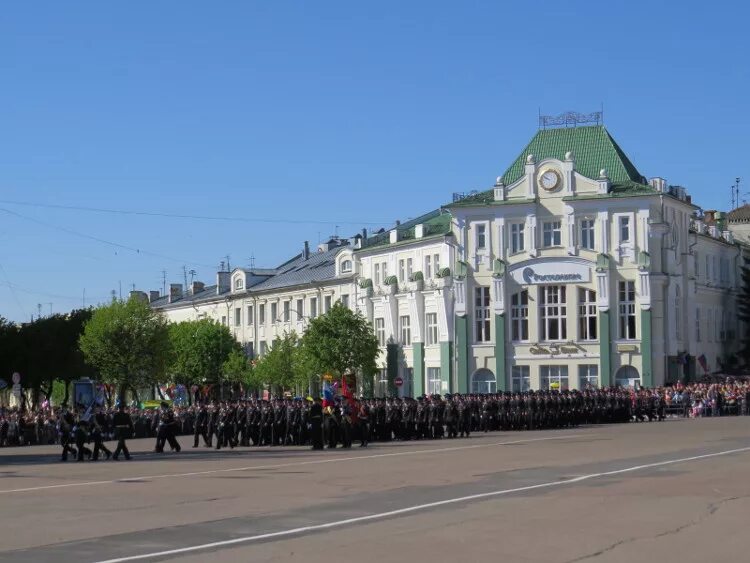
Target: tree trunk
{"x":49,"y":390}
{"x":135,"y":394}
{"x":161,"y":395}
{"x":67,"y":394}
{"x":123,"y":393}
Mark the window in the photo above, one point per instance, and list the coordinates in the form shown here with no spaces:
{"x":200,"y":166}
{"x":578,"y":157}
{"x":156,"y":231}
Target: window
{"x":697,"y":324}
{"x":552,"y":233}
{"x":586,"y":314}
{"x":519,"y":316}
{"x":313,"y":307}
{"x":401,"y":270}
{"x":300,"y":309}
{"x":520,"y":380}
{"x":262,"y":348}
{"x":427,"y":267}
{"x":483,"y":381}
{"x":287,"y":311}
{"x":482,"y":314}
{"x":708,"y":268}
{"x":237,"y":316}
{"x":723,"y":332}
{"x":432,"y":329}
{"x":345,"y":301}
{"x":376,"y":274}
{"x":250,"y":317}
{"x":381,"y":389}
{"x":346,"y":266}
{"x":224,"y":320}
{"x":553,"y":313}
{"x":481,"y":236}
{"x":436,"y":263}
{"x":274,"y":312}
{"x":434,"y":382}
{"x":624,"y":229}
{"x":404,"y":323}
{"x":238,"y":283}
{"x":327,"y":303}
{"x":380,"y":331}
{"x":588,"y":376}
{"x":554,"y":377}
{"x":262,"y":314}
{"x":697,"y":264}
{"x":709,"y":328}
{"x":516,"y":237}
{"x":716,"y":325}
{"x":384,"y":270}
{"x":627,"y":310}
{"x":587,"y":234}
{"x":407,"y":389}
{"x":409,"y":268}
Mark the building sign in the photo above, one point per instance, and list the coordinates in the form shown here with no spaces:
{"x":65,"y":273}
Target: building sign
{"x":552,"y":273}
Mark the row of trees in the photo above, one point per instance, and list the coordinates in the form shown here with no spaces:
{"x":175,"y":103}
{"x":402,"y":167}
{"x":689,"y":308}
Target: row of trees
{"x":128,"y":345}
{"x":131,"y":346}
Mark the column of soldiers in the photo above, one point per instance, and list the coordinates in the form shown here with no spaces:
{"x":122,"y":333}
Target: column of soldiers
{"x":298,"y":422}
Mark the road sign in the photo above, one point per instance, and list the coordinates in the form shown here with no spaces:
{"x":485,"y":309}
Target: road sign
{"x":17,"y":390}
{"x":16,"y":378}
{"x":399,"y":381}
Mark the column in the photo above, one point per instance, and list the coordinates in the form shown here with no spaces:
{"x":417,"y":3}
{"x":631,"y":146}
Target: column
{"x":647,"y":379}
{"x":446,"y":364}
{"x":462,"y":354}
{"x":419,"y":371}
{"x":500,"y":361}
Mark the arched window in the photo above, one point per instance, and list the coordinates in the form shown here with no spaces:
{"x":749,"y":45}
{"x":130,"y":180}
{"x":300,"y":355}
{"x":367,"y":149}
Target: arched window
{"x":346,"y":266}
{"x":628,"y":376}
{"x":483,"y":381}
{"x":239,"y":283}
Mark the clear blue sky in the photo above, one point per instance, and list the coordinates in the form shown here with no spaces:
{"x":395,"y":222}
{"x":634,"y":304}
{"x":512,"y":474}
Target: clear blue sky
{"x":341,"y":112}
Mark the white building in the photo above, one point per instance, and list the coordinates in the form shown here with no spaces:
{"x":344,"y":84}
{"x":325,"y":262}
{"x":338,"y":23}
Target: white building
{"x":572,"y":270}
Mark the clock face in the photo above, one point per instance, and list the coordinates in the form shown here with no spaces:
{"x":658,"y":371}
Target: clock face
{"x":549,"y":180}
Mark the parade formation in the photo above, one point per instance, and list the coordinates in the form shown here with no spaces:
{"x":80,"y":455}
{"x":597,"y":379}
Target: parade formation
{"x":340,"y":421}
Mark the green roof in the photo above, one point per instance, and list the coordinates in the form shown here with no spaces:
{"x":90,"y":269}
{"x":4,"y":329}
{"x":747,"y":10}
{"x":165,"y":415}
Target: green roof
{"x":593,"y":148}
{"x":436,"y":223}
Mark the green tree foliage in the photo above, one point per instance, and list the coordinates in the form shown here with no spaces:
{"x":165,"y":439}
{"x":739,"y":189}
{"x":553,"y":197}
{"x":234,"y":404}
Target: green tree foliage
{"x":128,"y":344}
{"x":743,"y":313}
{"x":282,"y":366}
{"x":44,"y":351}
{"x":342,"y":342}
{"x":239,"y":370}
{"x":200,"y":350}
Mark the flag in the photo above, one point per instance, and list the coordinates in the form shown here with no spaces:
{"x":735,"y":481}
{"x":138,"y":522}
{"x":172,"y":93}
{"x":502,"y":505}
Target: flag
{"x":327,"y":394}
{"x":703,"y":362}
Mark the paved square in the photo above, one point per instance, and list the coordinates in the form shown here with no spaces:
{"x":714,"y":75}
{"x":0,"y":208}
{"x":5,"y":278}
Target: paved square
{"x":649,"y":492}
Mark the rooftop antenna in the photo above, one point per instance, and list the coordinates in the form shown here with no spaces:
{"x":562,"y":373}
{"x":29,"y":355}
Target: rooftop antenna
{"x":120,"y":284}
{"x":192,"y":275}
{"x":113,"y":293}
{"x":736,"y":193}
{"x":252,"y":260}
{"x":50,"y":308}
{"x":184,"y":276}
{"x":39,"y":310}
{"x":229,"y":268}
{"x":163,"y":282}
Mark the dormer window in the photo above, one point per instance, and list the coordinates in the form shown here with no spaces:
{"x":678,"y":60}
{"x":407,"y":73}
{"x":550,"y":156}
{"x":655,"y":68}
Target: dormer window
{"x":239,"y":283}
{"x":346,"y":266}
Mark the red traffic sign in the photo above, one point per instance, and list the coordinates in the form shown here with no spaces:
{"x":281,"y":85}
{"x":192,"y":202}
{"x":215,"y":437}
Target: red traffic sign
{"x":399,"y":381}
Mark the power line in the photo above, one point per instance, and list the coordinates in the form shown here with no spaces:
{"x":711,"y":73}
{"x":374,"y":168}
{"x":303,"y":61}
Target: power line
{"x":101,"y":240}
{"x":187,"y":216}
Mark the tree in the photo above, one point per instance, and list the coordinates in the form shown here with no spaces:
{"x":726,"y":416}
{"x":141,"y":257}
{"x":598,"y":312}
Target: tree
{"x":279,"y":367}
{"x":128,"y":344}
{"x":200,"y":350}
{"x":743,"y":310}
{"x":237,"y":369}
{"x":342,"y":342}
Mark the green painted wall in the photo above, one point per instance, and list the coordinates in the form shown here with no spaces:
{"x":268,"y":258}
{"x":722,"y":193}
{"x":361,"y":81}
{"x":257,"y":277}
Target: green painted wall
{"x":500,"y":376}
{"x":462,"y":353}
{"x":647,"y":377}
{"x":419,"y":373}
{"x":446,"y":364}
{"x":605,"y":350}
{"x":391,"y":366}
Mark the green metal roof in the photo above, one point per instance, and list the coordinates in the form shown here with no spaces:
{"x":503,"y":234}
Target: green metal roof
{"x":593,"y":149}
{"x":436,"y":223}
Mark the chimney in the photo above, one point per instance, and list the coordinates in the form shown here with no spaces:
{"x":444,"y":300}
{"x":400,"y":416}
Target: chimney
{"x":153,"y":296}
{"x":659,"y":184}
{"x":364,"y":234}
{"x":140,"y":295}
{"x":223,"y":282}
{"x":197,"y":287}
{"x":175,"y":292}
{"x":306,"y":250}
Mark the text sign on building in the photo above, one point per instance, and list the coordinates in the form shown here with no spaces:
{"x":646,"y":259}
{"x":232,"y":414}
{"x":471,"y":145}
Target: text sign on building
{"x":552,"y":273}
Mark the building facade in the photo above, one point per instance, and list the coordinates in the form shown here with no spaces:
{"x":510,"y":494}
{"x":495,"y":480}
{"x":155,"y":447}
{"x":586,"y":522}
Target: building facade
{"x":573,"y":270}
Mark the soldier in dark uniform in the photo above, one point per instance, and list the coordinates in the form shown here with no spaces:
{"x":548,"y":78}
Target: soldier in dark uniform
{"x":201,"y":426}
{"x":316,"y":425}
{"x":451,"y":417}
{"x":123,"y":430}
{"x":97,"y":435}
{"x":166,"y":429}
{"x":80,"y":431}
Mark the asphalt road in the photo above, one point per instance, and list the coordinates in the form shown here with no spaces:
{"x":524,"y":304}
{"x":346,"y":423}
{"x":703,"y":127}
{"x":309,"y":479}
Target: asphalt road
{"x":671,"y":491}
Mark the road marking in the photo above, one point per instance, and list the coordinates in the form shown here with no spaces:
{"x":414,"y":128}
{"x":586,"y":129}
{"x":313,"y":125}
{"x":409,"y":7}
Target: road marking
{"x":291,"y":464}
{"x":416,"y":508}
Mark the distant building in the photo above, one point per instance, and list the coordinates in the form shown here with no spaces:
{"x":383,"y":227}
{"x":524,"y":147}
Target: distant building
{"x":572,"y":270}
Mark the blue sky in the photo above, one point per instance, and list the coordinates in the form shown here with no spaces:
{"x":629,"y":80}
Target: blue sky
{"x":343,"y":113}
